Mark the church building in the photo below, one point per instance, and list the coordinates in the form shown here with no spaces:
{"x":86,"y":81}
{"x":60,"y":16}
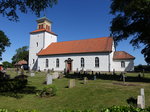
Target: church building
{"x":95,"y":54}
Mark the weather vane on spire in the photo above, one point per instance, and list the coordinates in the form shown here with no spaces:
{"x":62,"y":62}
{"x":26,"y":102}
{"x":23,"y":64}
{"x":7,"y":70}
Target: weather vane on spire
{"x":45,"y":12}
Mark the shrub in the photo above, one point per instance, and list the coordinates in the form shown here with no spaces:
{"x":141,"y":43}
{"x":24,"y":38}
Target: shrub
{"x":124,"y":109}
{"x":76,"y":111}
{"x":49,"y":90}
{"x":3,"y":110}
{"x":12,"y":85}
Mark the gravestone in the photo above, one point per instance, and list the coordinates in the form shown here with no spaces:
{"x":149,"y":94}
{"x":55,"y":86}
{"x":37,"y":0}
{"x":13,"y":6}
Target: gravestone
{"x":142,"y":94}
{"x":141,"y":99}
{"x":71,"y":83}
{"x":32,"y":74}
{"x":143,"y":73}
{"x":55,"y":75}
{"x":48,"y":79}
{"x":85,"y":80}
{"x":124,"y":78}
{"x":94,"y":77}
{"x":19,"y":72}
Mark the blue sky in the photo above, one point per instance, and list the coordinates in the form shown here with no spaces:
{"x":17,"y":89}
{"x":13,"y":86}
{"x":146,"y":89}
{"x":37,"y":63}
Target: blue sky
{"x":72,"y":20}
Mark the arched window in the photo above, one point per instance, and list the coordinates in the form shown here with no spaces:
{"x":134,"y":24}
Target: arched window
{"x":122,"y":64}
{"x":82,"y":62}
{"x":96,"y":62}
{"x":57,"y":62}
{"x":46,"y":62}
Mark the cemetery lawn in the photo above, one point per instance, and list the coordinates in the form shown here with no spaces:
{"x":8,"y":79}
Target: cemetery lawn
{"x":95,"y":95}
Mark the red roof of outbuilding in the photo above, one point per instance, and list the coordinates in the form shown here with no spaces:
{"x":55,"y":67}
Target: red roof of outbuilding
{"x":43,"y":30}
{"x":103,"y":44}
{"x":21,"y":62}
{"x":119,"y":55}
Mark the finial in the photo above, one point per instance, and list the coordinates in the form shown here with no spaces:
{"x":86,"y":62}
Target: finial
{"x":44,"y":12}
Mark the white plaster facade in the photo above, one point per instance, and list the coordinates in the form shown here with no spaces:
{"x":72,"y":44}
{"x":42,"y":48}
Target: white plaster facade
{"x":41,"y":40}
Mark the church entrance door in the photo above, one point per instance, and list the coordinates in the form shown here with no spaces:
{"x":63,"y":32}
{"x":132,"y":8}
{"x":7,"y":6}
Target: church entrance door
{"x":68,"y":65}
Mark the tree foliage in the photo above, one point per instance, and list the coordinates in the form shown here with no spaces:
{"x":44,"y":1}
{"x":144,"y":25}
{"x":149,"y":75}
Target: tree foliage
{"x":21,"y":54}
{"x":132,"y":19}
{"x":4,"y":42}
{"x":9,"y":8}
{"x":7,"y":64}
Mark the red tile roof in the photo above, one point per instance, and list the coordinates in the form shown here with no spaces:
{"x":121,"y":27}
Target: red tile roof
{"x":79,"y":46}
{"x":21,"y":62}
{"x":42,"y":30}
{"x":119,"y":55}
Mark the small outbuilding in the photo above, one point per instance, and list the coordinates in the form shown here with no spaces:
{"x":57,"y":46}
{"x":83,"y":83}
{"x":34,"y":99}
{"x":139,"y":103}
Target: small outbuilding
{"x":22,"y":64}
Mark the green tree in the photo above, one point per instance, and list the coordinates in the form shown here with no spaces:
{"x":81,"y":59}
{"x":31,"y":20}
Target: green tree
{"x":7,"y":64}
{"x":9,"y":8}
{"x":132,"y":19}
{"x":4,"y":42}
{"x":21,"y":54}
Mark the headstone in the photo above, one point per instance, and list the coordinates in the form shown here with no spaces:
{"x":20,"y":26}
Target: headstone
{"x":19,"y":72}
{"x":143,"y":73}
{"x":85,"y":80}
{"x":143,"y":95}
{"x":48,"y":79}
{"x":32,"y":74}
{"x":94,"y":77}
{"x":141,"y":99}
{"x":71,"y":83}
{"x":55,"y":75}
{"x":124,"y":78}
{"x":142,"y":92}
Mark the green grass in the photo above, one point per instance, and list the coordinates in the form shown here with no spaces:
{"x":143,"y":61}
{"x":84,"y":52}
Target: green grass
{"x":93,"y":95}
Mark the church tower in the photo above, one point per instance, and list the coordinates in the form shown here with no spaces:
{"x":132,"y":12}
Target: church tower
{"x":40,"y":39}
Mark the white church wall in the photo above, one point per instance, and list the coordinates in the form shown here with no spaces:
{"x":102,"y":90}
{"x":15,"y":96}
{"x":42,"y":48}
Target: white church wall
{"x":111,"y":57}
{"x":49,"y":38}
{"x":36,"y":44}
{"x":76,"y":63}
{"x":39,"y":41}
{"x":129,"y":65}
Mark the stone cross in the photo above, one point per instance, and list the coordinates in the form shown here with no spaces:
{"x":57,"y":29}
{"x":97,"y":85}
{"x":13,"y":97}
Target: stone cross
{"x":48,"y":79}
{"x":71,"y":83}
{"x":141,"y":99}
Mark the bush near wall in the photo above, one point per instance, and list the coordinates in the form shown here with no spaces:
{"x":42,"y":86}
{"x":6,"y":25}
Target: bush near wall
{"x":140,"y":68}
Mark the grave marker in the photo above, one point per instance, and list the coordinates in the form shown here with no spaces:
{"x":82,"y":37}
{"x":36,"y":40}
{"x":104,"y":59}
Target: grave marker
{"x":48,"y":79}
{"x":71,"y":83}
{"x":94,"y":77}
{"x":55,"y":75}
{"x":141,"y":99}
{"x":32,"y":74}
{"x":85,"y":80}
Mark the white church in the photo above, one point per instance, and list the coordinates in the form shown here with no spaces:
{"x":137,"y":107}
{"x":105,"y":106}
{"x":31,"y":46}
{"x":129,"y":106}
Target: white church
{"x":96,"y":54}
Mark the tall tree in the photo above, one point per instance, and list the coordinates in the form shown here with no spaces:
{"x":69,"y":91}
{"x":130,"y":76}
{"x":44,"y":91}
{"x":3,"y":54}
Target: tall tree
{"x":4,"y":42}
{"x":6,"y":64}
{"x":21,"y":54}
{"x":132,"y":19}
{"x":9,"y":8}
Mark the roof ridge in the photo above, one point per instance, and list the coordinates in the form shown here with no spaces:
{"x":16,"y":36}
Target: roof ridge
{"x":83,"y":39}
